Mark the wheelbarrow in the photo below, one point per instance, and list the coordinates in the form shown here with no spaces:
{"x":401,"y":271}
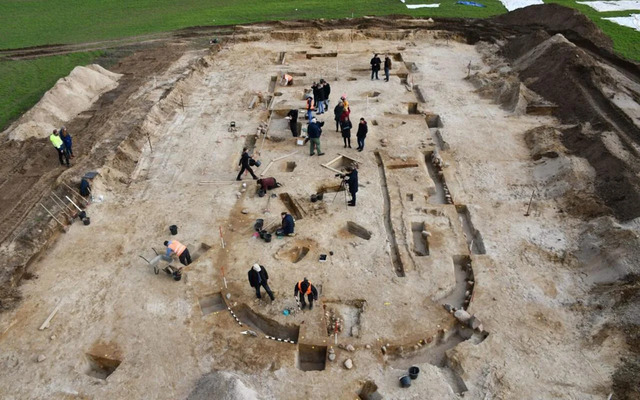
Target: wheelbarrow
{"x":156,"y":260}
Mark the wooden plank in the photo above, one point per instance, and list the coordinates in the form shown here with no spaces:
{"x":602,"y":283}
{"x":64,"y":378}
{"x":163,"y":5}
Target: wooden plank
{"x":45,"y":324}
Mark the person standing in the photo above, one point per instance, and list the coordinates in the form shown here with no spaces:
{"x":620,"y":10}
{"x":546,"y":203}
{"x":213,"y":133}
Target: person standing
{"x":244,"y":162}
{"x":345,"y":103}
{"x":258,"y":276}
{"x":59,"y":146}
{"x":387,"y":67}
{"x":320,"y":98}
{"x":309,"y":107}
{"x":345,"y":127}
{"x":173,"y":246}
{"x":363,"y":129}
{"x":327,"y":91}
{"x":66,"y":139}
{"x":315,"y":91}
{"x":351,"y":177}
{"x":375,"y":66}
{"x":337,"y":113}
{"x":292,"y":116}
{"x":313,"y":136}
{"x":302,"y":288}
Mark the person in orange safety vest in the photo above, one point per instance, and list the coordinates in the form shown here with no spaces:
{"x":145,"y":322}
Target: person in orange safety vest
{"x":173,"y":246}
{"x":304,"y":287}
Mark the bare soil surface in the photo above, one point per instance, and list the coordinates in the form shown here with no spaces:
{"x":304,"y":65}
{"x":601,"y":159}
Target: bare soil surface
{"x":499,"y":177}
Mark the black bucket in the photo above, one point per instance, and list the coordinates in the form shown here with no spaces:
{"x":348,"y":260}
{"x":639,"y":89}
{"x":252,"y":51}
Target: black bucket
{"x":314,"y":198}
{"x":267,"y":237}
{"x":413,"y":372}
{"x":258,"y":225}
{"x":319,"y":196}
{"x":82,"y":215}
{"x":173,"y":229}
{"x":86,"y":221}
{"x":405,"y":381}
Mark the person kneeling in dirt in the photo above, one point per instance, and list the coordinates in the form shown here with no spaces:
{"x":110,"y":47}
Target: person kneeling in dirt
{"x":266,"y":184}
{"x":258,"y":276}
{"x":287,"y":80}
{"x":288,"y":225}
{"x":173,"y":246}
{"x":305,"y":287}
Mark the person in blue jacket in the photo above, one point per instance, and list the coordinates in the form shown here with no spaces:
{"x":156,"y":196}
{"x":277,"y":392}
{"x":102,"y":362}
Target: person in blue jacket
{"x":66,"y":139}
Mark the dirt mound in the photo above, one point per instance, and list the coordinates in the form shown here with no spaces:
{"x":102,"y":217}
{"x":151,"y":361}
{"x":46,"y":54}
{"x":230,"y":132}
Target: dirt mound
{"x":223,"y":386}
{"x":69,"y":97}
{"x":555,"y":18}
{"x":544,"y":141}
{"x":507,"y":91}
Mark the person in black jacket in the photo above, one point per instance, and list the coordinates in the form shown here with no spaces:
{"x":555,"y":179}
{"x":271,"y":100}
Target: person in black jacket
{"x":292,"y":116}
{"x":327,"y":91}
{"x":375,"y":66}
{"x":315,"y":91}
{"x":345,"y":127}
{"x":258,"y":276}
{"x":362,"y":133}
{"x":288,"y":224}
{"x":337,"y":112}
{"x":244,"y":161}
{"x":387,"y":67}
{"x":352,"y":180}
{"x":305,"y":287}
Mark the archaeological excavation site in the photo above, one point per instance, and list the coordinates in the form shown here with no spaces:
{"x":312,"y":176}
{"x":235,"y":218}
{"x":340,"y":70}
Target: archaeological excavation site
{"x":493,"y":252}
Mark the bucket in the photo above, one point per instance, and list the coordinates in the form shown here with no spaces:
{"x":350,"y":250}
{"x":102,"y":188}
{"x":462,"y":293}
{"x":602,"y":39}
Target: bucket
{"x":258,"y":225}
{"x":258,"y":163}
{"x":267,"y":237}
{"x":405,"y":381}
{"x":173,"y":229}
{"x":413,"y":372}
{"x":314,"y":198}
{"x":82,"y":215}
{"x":86,"y":221}
{"x":320,"y":196}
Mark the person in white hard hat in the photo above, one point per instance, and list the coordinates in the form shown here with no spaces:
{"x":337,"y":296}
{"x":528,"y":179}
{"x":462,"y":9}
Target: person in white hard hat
{"x":258,"y":276}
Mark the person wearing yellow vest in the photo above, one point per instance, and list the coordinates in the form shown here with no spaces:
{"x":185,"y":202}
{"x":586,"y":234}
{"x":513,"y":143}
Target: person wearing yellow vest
{"x":304,"y":287}
{"x":57,"y":142}
{"x":173,"y":246}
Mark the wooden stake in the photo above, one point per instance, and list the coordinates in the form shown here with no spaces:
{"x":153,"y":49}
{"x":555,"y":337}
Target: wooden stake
{"x":45,"y":324}
{"x":74,"y":204}
{"x":76,"y":193}
{"x":61,"y":201}
{"x":149,"y":139}
{"x":62,"y":209}
{"x":53,"y":216}
{"x":530,"y":200}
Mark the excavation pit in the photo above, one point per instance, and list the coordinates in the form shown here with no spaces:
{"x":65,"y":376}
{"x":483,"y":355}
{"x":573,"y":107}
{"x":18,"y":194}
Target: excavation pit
{"x":420,"y":240}
{"x":472,"y":235}
{"x":339,"y":163}
{"x":290,"y":166}
{"x":344,"y":317}
{"x":409,"y":196}
{"x":311,"y":358}
{"x":433,"y":120}
{"x":292,"y":205}
{"x":212,"y":303}
{"x":351,"y":79}
{"x":313,"y":55}
{"x":266,"y":325}
{"x":101,"y":366}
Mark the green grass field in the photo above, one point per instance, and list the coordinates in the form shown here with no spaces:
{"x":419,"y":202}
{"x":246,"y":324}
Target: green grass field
{"x":26,"y":23}
{"x":24,"y":82}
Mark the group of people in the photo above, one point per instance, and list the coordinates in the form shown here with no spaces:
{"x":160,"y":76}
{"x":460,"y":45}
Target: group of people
{"x":61,"y":141}
{"x":258,"y":278}
{"x":375,"y":67}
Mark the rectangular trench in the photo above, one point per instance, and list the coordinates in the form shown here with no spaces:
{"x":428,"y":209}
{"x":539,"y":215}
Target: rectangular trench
{"x":474,"y":238}
{"x":439,"y":196}
{"x":265,"y":325}
{"x":396,"y":261}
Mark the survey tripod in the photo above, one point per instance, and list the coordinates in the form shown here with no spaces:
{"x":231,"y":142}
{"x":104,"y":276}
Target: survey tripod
{"x":342,"y":188}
